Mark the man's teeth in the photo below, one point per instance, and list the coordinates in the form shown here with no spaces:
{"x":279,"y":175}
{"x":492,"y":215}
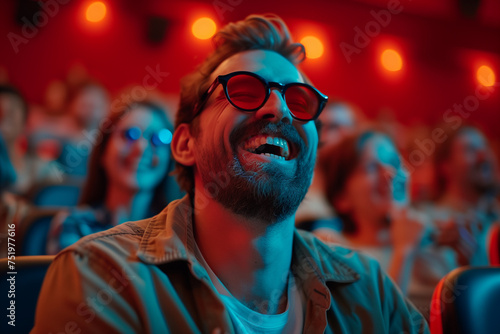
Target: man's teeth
{"x":274,"y":156}
{"x":253,"y":143}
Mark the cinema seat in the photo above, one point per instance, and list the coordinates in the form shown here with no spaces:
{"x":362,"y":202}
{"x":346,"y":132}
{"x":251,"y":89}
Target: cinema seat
{"x":55,"y":195}
{"x":494,"y":245}
{"x":30,"y":272}
{"x":34,"y":230}
{"x":467,"y":300}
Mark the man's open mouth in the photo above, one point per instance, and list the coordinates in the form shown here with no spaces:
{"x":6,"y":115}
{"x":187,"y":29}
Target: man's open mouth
{"x":270,"y":146}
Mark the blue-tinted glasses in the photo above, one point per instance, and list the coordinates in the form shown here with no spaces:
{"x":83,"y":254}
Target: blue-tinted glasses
{"x":160,"y":138}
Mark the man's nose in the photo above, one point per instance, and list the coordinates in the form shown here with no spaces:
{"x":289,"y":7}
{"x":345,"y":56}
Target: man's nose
{"x":275,"y":109}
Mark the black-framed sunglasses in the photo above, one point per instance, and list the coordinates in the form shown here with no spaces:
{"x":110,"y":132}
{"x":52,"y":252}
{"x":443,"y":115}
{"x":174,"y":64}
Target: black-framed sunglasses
{"x":249,"y":92}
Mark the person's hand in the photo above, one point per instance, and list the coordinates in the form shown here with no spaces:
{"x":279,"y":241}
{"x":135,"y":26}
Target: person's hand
{"x":408,"y":229}
{"x":456,"y":233}
{"x":408,"y":232}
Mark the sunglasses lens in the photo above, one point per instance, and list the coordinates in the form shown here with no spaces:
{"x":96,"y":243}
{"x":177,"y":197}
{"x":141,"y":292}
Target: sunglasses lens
{"x":132,"y":133}
{"x":246,"y":92}
{"x":302,"y":101}
{"x":163,"y":137}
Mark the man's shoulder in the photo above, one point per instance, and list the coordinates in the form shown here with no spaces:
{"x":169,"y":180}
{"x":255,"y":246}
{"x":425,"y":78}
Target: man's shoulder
{"x":122,"y":239}
{"x":366,"y":286}
{"x":333,"y":257}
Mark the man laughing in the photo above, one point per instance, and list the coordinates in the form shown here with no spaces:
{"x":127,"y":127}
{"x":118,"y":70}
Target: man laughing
{"x":227,"y":258}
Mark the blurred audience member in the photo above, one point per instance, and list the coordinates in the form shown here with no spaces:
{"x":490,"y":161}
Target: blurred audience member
{"x":12,"y":209}
{"x":31,"y":167}
{"x":44,"y":117}
{"x":467,"y":175}
{"x":88,"y":104}
{"x":366,"y":184}
{"x":128,"y":175}
{"x":13,"y":115}
{"x":337,"y":120}
{"x":7,"y":172}
{"x":62,"y":131}
{"x":466,"y":206}
{"x":46,"y":129}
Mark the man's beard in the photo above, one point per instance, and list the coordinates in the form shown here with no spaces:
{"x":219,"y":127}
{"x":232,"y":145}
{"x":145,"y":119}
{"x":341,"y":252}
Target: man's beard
{"x":264,"y":193}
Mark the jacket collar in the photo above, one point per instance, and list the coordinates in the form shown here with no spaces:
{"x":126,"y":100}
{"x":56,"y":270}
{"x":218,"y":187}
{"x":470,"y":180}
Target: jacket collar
{"x":169,"y":237}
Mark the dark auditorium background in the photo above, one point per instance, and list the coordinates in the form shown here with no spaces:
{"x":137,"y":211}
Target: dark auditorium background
{"x":442,"y":44}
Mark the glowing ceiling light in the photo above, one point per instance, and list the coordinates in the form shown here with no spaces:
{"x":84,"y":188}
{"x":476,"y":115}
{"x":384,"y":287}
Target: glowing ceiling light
{"x":485,"y":76}
{"x":391,"y":60}
{"x":96,"y":11}
{"x":314,"y":47}
{"x":204,"y":28}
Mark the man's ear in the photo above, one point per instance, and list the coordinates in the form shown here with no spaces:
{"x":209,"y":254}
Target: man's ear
{"x":182,"y":145}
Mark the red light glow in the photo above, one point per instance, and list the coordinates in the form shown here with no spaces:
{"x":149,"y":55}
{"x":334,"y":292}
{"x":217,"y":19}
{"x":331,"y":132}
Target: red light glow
{"x":96,"y":12}
{"x":391,"y":60}
{"x":485,"y":76}
{"x":314,"y":47}
{"x":204,"y":28}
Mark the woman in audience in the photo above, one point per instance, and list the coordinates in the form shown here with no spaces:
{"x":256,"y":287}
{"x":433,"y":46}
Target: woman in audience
{"x":338,"y":119}
{"x":128,"y":175}
{"x":13,"y":114}
{"x":366,"y":184}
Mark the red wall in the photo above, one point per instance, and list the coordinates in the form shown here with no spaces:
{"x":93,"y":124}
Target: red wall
{"x":440,"y":50}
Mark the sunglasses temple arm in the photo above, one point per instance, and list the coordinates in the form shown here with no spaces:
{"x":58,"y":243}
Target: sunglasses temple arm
{"x":199,"y":105}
